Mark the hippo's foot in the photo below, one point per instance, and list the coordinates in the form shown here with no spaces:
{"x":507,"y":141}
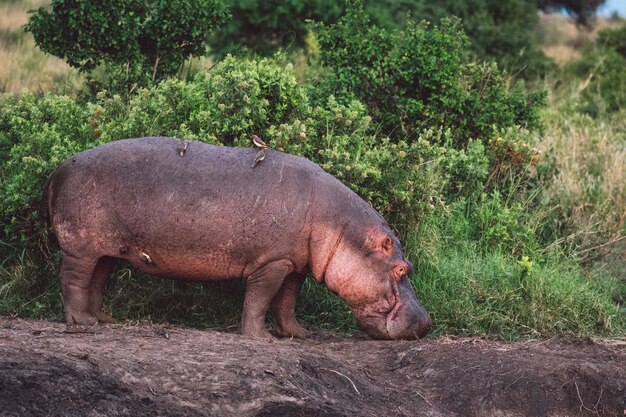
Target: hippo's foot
{"x":104,"y":317}
{"x":80,"y":318}
{"x":257,"y":333}
{"x":291,"y":329}
{"x":80,"y":322}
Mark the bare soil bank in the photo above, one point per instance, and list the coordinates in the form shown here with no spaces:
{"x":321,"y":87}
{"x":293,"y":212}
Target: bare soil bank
{"x":151,"y":370}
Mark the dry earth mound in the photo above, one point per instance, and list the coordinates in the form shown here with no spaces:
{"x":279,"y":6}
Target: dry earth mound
{"x":150,"y":370}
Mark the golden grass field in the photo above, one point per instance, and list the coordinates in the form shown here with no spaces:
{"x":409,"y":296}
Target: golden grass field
{"x":22,"y":64}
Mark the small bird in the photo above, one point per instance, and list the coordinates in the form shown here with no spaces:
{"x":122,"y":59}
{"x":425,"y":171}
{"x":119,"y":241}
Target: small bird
{"x":260,"y":155}
{"x":182,"y":147}
{"x":258,"y":142}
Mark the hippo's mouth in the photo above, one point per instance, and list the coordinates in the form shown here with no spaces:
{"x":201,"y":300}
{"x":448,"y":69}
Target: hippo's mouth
{"x":377,"y":323}
{"x":398,"y":317}
{"x":405,"y":320}
{"x":374,"y":323}
{"x":393,"y":315}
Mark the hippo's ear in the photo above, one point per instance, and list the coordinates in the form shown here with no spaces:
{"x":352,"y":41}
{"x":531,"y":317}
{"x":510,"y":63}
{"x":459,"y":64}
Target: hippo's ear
{"x":380,"y":243}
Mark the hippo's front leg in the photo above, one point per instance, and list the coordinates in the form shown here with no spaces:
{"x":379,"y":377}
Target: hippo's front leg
{"x":261,"y":287}
{"x":283,"y":308}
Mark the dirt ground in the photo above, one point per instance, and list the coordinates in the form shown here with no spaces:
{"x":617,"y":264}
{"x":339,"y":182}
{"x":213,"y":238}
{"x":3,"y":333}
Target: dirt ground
{"x":153,"y":370}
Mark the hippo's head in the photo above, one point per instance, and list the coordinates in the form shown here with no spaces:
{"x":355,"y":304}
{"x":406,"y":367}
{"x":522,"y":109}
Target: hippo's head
{"x":373,"y":278}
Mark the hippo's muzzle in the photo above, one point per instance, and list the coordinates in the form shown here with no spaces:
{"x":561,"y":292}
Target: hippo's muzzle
{"x":407,"y":320}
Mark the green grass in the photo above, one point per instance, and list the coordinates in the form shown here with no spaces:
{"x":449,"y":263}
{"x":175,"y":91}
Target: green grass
{"x":28,"y":287}
{"x":490,"y":294}
{"x":473,"y":288}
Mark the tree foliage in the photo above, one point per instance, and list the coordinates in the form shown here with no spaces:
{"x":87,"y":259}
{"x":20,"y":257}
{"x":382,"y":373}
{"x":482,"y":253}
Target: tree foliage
{"x":265,"y":26}
{"x":152,"y":37}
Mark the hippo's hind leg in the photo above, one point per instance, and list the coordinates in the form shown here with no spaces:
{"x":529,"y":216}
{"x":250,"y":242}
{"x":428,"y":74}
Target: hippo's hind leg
{"x":283,"y":308}
{"x":103,"y":269}
{"x":261,"y":287}
{"x":76,"y":278}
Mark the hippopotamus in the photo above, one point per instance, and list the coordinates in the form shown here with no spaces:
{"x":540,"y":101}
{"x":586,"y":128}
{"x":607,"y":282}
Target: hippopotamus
{"x":182,"y":209}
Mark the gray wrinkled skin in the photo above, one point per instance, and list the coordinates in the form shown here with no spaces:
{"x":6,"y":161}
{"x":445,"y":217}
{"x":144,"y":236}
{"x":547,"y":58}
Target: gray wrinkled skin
{"x":207,"y":214}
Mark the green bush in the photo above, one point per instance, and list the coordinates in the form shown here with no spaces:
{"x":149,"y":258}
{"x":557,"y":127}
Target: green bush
{"x":36,"y":134}
{"x":465,"y":132}
{"x":502,"y":32}
{"x":420,"y":78}
{"x":226,"y":105}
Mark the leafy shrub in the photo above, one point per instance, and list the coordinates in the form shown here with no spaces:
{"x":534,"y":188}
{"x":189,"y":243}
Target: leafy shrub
{"x":226,"y":105}
{"x":436,"y":105}
{"x":36,"y":134}
{"x":421,"y":78}
{"x":502,"y":32}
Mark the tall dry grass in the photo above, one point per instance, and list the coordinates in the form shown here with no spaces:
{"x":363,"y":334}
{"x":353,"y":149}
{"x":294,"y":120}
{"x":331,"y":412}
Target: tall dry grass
{"x":587,"y":161}
{"x":22,"y":64}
